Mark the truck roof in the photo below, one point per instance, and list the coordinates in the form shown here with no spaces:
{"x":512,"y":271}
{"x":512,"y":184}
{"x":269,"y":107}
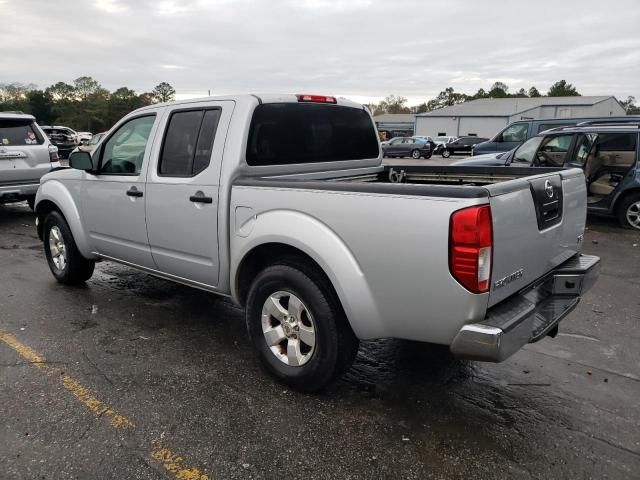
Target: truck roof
{"x":260,"y":97}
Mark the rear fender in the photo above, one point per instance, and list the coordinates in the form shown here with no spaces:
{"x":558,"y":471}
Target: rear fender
{"x":326,"y":248}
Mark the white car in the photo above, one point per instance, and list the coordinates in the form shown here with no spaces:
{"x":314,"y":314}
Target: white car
{"x":84,"y":137}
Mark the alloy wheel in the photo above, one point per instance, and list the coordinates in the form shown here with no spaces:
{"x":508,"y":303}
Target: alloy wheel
{"x":288,"y":328}
{"x":633,"y":214}
{"x":57,"y":248}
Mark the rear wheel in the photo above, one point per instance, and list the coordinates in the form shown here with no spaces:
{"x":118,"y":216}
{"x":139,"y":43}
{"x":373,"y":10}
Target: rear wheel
{"x":446,"y":153}
{"x":298,"y":327}
{"x":629,"y":212}
{"x":427,"y":156}
{"x":65,"y":260}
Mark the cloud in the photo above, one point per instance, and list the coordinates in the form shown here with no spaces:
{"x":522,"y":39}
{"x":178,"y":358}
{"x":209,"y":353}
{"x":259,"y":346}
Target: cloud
{"x":110,"y":6}
{"x":363,"y":48}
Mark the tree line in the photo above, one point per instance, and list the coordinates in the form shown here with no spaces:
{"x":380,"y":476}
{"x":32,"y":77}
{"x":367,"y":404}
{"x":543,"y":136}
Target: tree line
{"x":87,"y":105}
{"x":83,"y":105}
{"x":448,"y":97}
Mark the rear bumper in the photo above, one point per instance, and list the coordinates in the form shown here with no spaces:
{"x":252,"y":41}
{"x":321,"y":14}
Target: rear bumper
{"x":10,"y":193}
{"x":529,"y":315}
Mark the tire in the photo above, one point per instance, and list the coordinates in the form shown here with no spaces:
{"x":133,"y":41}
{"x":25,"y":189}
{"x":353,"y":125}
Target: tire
{"x":427,"y":156}
{"x":446,"y":153}
{"x":415,"y":154}
{"x":65,"y":261}
{"x":31,"y":201}
{"x":334,"y":344}
{"x":629,"y":212}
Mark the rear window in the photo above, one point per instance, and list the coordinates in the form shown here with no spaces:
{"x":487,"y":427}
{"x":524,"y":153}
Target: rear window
{"x":290,"y":133}
{"x":18,"y":132}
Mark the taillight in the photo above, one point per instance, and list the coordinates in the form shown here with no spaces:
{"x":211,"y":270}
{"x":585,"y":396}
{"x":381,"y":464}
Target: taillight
{"x":53,"y":154}
{"x":316,"y":98}
{"x":470,"y":247}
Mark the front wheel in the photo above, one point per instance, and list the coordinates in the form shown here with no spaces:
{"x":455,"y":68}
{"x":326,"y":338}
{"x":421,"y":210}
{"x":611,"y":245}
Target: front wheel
{"x":298,"y":327}
{"x":415,"y":154}
{"x":629,"y":212}
{"x":446,"y":153}
{"x":65,"y":261}
{"x":427,"y":156}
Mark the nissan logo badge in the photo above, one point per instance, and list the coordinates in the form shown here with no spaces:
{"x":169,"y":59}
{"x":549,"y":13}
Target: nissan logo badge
{"x":548,"y":188}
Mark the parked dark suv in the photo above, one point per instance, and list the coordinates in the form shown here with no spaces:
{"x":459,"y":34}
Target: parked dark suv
{"x":460,"y":145}
{"x":606,"y":151}
{"x":62,"y":137}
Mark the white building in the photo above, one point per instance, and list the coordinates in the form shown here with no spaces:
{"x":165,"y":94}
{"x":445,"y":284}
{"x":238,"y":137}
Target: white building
{"x":487,"y":116}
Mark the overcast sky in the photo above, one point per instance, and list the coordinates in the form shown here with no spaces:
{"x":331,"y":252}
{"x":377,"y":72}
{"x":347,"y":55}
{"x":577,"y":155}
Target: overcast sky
{"x":362,"y":49}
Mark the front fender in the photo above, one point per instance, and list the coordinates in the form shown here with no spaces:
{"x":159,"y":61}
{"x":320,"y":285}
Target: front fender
{"x":323,"y":245}
{"x":58,"y":194}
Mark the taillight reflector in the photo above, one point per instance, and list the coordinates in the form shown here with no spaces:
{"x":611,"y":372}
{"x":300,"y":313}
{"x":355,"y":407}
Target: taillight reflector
{"x":53,"y":154}
{"x":303,"y":97}
{"x":470,"y":247}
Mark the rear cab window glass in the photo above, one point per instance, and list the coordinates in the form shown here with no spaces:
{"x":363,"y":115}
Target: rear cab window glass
{"x":188,"y":142}
{"x":15,"y":132}
{"x":294,"y":133}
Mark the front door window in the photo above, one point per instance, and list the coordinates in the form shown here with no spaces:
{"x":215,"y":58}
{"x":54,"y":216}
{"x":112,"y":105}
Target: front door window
{"x":553,"y":150}
{"x":123,"y":153}
{"x":515,"y":133}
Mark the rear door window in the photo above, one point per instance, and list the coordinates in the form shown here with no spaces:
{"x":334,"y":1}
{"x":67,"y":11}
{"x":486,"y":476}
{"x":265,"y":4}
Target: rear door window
{"x":18,"y":133}
{"x":293,"y":133}
{"x":188,"y":142}
{"x":548,"y":126}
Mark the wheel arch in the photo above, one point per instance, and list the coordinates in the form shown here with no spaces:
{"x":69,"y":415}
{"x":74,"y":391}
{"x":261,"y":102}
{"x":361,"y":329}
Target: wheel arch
{"x":313,"y":243}
{"x":622,"y":197}
{"x":53,"y":196}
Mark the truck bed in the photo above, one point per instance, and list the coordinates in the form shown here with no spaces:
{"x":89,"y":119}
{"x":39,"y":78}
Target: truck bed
{"x":418,"y":180}
{"x":533,"y":232}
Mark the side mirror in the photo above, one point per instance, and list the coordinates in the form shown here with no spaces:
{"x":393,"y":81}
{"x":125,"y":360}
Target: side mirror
{"x":81,"y":161}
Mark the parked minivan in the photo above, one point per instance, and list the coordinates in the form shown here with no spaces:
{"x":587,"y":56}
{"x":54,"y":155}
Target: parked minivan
{"x":517,"y":132}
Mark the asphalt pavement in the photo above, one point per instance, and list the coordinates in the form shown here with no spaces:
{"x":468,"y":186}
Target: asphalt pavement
{"x":135,"y":377}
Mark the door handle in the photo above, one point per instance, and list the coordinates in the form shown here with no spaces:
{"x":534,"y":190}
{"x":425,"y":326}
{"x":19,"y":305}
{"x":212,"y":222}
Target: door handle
{"x":134,"y":192}
{"x":200,"y":198}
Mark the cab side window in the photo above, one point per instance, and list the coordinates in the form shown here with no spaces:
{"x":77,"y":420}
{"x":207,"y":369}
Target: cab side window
{"x":123,"y":153}
{"x":188,"y":142}
{"x":515,"y":133}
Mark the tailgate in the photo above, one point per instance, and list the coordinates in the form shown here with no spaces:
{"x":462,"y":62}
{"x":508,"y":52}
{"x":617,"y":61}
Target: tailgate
{"x":538,"y":223}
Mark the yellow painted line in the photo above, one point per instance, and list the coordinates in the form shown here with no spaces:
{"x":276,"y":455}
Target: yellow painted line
{"x":171,"y":462}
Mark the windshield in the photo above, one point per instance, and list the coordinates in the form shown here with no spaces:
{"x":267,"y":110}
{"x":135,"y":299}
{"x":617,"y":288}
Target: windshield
{"x":292,"y":133}
{"x":96,"y":138}
{"x":525,"y":152}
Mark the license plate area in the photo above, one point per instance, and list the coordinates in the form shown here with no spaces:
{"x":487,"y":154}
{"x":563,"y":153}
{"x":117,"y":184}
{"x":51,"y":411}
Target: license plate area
{"x":570,"y":284}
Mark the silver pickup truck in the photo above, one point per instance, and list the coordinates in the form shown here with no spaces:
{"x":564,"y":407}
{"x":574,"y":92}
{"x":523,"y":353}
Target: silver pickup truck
{"x":282,"y":203}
